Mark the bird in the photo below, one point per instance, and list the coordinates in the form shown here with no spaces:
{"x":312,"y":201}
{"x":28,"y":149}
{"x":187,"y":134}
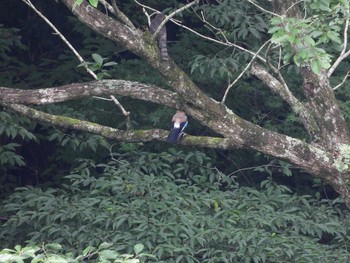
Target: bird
{"x":178,"y":124}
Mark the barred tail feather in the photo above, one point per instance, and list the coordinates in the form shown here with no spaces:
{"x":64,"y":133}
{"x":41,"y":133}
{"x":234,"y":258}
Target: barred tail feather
{"x":163,"y":50}
{"x":162,"y":35}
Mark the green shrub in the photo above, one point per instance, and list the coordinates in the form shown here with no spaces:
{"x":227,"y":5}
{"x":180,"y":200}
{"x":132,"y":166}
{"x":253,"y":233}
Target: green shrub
{"x":182,"y":209}
{"x":51,"y":253}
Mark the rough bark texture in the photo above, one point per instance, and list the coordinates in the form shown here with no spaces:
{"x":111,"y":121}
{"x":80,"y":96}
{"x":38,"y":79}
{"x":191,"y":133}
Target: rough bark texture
{"x":74,"y":91}
{"x":333,"y":130}
{"x":320,"y":113}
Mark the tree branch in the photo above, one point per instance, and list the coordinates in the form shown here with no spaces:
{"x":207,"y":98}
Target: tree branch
{"x":263,"y":9}
{"x":243,"y":72}
{"x":343,"y":81}
{"x":297,"y":107}
{"x":47,"y":21}
{"x":343,"y":54}
{"x":121,"y":16}
{"x":74,"y":91}
{"x":168,"y":17}
{"x":116,"y":134}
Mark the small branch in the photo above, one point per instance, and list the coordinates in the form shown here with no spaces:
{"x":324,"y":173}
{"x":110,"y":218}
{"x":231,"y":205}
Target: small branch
{"x":260,"y":166}
{"x":29,"y":3}
{"x":278,"y":69}
{"x":243,"y":72}
{"x":121,"y":16}
{"x":168,"y":17}
{"x":211,"y":27}
{"x":146,"y":7}
{"x":343,"y":81}
{"x":345,"y":37}
{"x":262,"y":9}
{"x":343,"y":54}
{"x":107,"y":6}
{"x":294,"y":4}
{"x":228,"y":44}
{"x":125,"y":113}
{"x":337,"y":62}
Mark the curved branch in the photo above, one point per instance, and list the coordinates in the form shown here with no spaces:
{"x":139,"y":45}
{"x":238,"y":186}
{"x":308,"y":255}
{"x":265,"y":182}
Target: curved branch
{"x":116,"y":134}
{"x":74,"y":91}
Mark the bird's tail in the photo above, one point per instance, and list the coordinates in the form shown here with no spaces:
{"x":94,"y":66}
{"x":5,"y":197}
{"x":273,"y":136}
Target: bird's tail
{"x":176,"y":133}
{"x":162,"y":43}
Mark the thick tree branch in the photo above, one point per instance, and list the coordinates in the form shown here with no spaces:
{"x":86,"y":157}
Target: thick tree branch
{"x":312,"y":159}
{"x":325,"y":109}
{"x":74,"y":91}
{"x":116,"y":134}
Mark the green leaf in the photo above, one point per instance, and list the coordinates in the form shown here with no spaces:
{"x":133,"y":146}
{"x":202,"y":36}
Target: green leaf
{"x":54,"y":246}
{"x":108,"y":254}
{"x":334,"y":37}
{"x":138,"y":248}
{"x":94,"y":3}
{"x":97,"y":58}
{"x":105,"y":245}
{"x":112,"y":63}
{"x":315,"y":66}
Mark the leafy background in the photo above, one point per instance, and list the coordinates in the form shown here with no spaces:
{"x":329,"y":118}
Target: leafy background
{"x":72,"y":196}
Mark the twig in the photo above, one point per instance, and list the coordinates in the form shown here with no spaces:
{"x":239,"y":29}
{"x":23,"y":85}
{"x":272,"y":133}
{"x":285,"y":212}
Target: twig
{"x":345,"y":36}
{"x":260,"y":166}
{"x":262,"y":9}
{"x":107,"y":6}
{"x":343,"y":54}
{"x":168,"y":17}
{"x":243,"y":72}
{"x":126,"y":113}
{"x":343,"y":81}
{"x":29,"y":3}
{"x":294,"y":4}
{"x":121,"y":16}
{"x":228,"y":44}
{"x":278,"y":69}
{"x":146,"y":7}
{"x":202,"y":17}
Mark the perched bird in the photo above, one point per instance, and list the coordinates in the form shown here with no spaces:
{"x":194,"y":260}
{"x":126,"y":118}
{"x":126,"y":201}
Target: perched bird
{"x":178,"y":124}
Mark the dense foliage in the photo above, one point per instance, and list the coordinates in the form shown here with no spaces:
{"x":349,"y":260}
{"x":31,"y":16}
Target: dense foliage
{"x":52,"y":253}
{"x":80,"y":197}
{"x":181,"y":208}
